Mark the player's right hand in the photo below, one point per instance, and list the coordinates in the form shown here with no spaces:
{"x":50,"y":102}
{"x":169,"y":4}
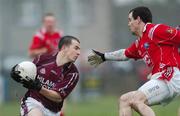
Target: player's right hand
{"x":32,"y":84}
{"x":15,"y":74}
{"x":96,"y":58}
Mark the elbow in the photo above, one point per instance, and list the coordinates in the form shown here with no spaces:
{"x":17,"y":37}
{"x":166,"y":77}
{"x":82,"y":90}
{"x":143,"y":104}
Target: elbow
{"x":58,"y":100}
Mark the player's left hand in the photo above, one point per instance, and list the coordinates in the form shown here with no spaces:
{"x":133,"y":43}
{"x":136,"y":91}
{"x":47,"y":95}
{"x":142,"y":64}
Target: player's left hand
{"x":15,"y":74}
{"x":96,"y":58}
{"x":32,"y":84}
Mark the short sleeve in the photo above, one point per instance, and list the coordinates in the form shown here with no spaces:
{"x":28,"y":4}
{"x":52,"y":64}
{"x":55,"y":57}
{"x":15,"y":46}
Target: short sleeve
{"x":132,"y":51}
{"x":69,"y":82}
{"x":37,"y":60}
{"x":164,"y":34}
{"x":36,"y":43}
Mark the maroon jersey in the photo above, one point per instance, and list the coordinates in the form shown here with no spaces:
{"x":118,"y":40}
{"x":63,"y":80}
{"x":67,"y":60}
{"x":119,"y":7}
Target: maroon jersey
{"x":61,"y":79}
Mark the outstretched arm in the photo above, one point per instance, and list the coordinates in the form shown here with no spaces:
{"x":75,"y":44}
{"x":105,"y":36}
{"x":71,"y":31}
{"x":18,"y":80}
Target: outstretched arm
{"x":118,"y":55}
{"x":96,"y":58}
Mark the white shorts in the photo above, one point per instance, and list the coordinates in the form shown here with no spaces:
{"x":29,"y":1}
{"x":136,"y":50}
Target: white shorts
{"x":31,"y":103}
{"x":161,"y":91}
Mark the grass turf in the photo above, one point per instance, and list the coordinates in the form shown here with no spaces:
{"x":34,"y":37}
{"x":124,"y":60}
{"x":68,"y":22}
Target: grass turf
{"x":104,"y":106}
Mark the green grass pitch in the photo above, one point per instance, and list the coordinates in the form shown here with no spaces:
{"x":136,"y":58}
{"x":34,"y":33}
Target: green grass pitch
{"x":104,"y":106}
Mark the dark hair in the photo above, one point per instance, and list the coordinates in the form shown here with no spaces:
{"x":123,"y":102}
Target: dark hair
{"x":143,"y":12}
{"x":49,"y":14}
{"x":67,"y":40}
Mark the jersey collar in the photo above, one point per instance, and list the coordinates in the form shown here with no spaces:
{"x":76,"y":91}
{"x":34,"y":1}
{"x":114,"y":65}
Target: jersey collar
{"x":144,"y":29}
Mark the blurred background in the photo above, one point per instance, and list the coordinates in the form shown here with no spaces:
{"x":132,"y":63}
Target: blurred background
{"x":100,"y":25}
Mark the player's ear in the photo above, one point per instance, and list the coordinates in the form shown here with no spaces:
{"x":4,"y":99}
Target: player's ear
{"x":63,"y":47}
{"x":138,"y":19}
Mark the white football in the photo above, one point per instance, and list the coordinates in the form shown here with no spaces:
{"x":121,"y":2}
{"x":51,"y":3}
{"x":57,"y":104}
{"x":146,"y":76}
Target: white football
{"x":28,"y":70}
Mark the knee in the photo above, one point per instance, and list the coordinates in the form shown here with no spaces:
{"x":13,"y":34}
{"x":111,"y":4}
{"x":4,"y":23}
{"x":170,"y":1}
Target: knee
{"x":137,"y":100}
{"x":124,"y":99}
{"x":138,"y":105}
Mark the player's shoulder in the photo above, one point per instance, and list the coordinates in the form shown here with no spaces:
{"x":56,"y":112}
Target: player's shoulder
{"x":48,"y":56}
{"x":152,"y":28}
{"x":40,"y":33}
{"x":45,"y":58}
{"x":161,"y":28}
{"x":161,"y":25}
{"x":59,"y":31}
{"x":70,"y":67}
{"x":149,"y":26}
{"x":74,"y":67}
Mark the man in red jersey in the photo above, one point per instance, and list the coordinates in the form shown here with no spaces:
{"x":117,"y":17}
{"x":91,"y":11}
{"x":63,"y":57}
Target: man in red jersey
{"x":46,"y":39}
{"x":56,"y":78}
{"x":157,"y":45}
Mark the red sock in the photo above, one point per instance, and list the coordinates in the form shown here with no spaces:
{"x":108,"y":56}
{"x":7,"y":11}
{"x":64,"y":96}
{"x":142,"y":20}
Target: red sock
{"x":62,"y":114}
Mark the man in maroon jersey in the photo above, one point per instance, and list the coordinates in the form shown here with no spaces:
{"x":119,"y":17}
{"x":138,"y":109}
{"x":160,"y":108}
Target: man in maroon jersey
{"x":157,"y":45}
{"x":56,"y":78}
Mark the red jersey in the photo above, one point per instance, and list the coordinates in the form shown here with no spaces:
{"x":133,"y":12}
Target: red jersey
{"x":158,"y":47}
{"x":43,"y":39}
{"x":61,"y":79}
